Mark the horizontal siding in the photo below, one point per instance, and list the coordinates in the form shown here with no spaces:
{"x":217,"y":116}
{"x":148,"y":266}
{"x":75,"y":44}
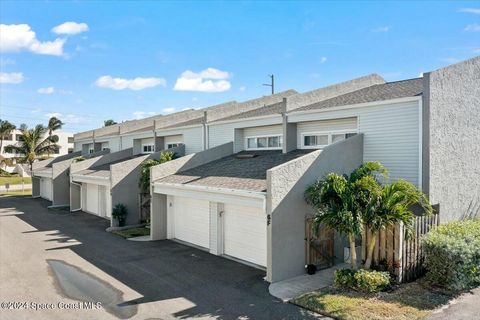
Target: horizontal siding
{"x":173,"y":139}
{"x":263,"y":131}
{"x":193,"y":140}
{"x":325,"y":126}
{"x":127,"y":140}
{"x":391,"y":135}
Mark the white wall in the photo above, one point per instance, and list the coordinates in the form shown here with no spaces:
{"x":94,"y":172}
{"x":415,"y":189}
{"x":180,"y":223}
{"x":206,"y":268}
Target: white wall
{"x":192,"y":137}
{"x":62,"y":142}
{"x":324,"y":126}
{"x":392,"y":135}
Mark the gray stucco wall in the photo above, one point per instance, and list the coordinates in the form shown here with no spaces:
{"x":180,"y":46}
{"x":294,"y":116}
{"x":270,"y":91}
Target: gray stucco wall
{"x":287,"y":208}
{"x":453,"y":106}
{"x":35,"y":187}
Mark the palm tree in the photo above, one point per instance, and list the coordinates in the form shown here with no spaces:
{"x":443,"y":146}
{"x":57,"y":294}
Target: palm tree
{"x":5,"y":129}
{"x":340,"y":201}
{"x":334,"y":201}
{"x":34,"y":144}
{"x":53,"y":124}
{"x":394,"y":206}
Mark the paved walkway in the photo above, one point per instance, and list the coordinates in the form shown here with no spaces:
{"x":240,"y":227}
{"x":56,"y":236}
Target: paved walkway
{"x":465,"y":307}
{"x":16,"y":187}
{"x":288,"y":289}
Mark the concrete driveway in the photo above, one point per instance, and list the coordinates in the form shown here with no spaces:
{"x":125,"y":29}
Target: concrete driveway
{"x":59,"y":258}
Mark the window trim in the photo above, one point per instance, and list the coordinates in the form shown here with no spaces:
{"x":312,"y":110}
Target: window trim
{"x":264,"y":136}
{"x":169,"y":143}
{"x":319,"y":133}
{"x":148,"y":145}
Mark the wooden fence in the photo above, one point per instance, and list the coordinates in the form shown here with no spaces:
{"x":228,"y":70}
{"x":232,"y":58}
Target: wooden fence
{"x":319,"y":249}
{"x":404,"y":257}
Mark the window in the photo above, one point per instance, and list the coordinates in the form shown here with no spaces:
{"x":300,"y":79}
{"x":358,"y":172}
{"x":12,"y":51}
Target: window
{"x":70,"y":150}
{"x":172,"y":145}
{"x":148,"y":148}
{"x":320,"y":140}
{"x":268,"y":142}
{"x":104,"y":148}
{"x":18,"y":137}
{"x":90,"y":151}
{"x":8,"y":137}
{"x":70,"y":139}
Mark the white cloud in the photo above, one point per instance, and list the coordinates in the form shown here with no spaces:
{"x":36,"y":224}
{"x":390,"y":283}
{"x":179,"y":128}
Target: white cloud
{"x":70,"y":28}
{"x":19,"y":37}
{"x":381,"y":29}
{"x":12,"y":77}
{"x":194,"y":99}
{"x":168,"y":110}
{"x":143,"y":114}
{"x":475,"y":27}
{"x":323,"y":59}
{"x":208,"y":80}
{"x":47,"y":90}
{"x":69,"y":118}
{"x":242,"y":88}
{"x":132,"y":84}
{"x":470,"y":10}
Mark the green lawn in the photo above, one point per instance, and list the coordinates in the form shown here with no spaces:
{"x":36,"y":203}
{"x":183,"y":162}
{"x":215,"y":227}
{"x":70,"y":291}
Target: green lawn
{"x":26,"y":193}
{"x":134,"y":232}
{"x":14,"y":180}
{"x":409,"y":301}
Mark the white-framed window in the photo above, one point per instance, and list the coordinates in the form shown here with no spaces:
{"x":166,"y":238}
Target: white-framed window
{"x":173,"y":145}
{"x":318,"y":140}
{"x":273,"y":142}
{"x":148,"y":148}
{"x":90,"y":151}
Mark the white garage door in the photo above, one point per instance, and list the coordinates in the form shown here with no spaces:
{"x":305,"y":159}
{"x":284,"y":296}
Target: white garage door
{"x":91,"y":201}
{"x":46,"y":188}
{"x":191,"y":221}
{"x":245,"y":233}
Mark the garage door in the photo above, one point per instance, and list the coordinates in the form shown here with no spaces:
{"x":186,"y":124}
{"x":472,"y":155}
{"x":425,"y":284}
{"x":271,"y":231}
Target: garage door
{"x":191,"y":221}
{"x":245,"y":233}
{"x":91,"y":200}
{"x":46,"y":188}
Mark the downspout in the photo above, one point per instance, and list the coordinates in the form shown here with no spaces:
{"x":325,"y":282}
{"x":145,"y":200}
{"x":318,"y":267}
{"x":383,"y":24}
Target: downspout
{"x":284,"y":125}
{"x":204,"y":129}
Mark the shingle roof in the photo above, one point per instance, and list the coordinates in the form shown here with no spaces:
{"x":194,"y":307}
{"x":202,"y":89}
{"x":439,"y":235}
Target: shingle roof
{"x":145,"y":129}
{"x":275,"y":108}
{"x":190,"y":122}
{"x":234,"y":173}
{"x":379,"y":92}
{"x":104,"y":169}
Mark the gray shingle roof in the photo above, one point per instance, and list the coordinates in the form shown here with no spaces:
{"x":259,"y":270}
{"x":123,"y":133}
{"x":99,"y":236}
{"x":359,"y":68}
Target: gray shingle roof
{"x":275,"y":108}
{"x":190,"y":122}
{"x":234,"y":173}
{"x":104,"y":169}
{"x":379,"y":92}
{"x":145,"y":129}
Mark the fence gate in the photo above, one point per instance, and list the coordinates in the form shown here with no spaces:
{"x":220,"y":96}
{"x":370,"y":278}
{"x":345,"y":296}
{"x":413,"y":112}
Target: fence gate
{"x":144,"y":202}
{"x":319,"y":248}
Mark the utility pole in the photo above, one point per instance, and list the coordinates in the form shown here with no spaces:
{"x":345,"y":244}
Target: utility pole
{"x":272,"y":83}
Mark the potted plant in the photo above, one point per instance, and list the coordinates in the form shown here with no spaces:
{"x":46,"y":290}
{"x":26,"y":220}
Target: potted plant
{"x":119,"y":213}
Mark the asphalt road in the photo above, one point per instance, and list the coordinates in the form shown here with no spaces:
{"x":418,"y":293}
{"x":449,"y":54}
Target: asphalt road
{"x":55,"y":259}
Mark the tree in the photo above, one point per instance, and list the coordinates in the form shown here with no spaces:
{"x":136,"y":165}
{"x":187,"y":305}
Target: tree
{"x":34,"y":144}
{"x":334,"y":202}
{"x":5,"y":129}
{"x":108,"y":122}
{"x":394,"y":206}
{"x":144,"y":181}
{"x":340,"y":201}
{"x":53,"y":124}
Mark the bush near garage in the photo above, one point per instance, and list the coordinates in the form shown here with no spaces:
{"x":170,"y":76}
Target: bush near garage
{"x":452,"y":255}
{"x":362,"y":280}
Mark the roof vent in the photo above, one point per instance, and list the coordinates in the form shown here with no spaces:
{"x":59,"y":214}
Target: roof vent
{"x":245,"y":155}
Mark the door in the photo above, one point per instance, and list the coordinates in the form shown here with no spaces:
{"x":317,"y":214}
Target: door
{"x":46,"y":188}
{"x":91,"y":198}
{"x":191,"y":221}
{"x":102,"y":201}
{"x":245,"y":233}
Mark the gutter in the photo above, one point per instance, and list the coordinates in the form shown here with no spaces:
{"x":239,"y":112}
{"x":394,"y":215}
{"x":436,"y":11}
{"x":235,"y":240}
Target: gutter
{"x":80,"y":186}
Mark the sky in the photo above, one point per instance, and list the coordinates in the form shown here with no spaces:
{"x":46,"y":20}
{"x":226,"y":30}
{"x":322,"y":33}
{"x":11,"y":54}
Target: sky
{"x":88,"y":61}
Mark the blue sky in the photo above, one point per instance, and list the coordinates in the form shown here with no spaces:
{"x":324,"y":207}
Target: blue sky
{"x":124,"y":60}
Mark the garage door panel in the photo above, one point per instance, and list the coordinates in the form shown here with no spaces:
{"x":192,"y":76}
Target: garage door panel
{"x":92,"y":198}
{"x":245,"y":234}
{"x":191,"y":221}
{"x":46,"y":188}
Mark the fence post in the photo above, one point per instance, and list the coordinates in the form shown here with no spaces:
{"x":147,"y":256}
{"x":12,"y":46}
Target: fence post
{"x":399,"y":241}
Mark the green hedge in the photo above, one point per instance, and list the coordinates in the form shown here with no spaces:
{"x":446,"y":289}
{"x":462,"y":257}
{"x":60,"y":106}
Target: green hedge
{"x":452,"y":255}
{"x":362,"y":280}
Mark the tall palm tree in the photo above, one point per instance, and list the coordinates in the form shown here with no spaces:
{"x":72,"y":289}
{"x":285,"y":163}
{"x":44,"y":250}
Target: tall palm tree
{"x":53,"y":124}
{"x":5,"y":129}
{"x":34,"y":143}
{"x":394,"y":206}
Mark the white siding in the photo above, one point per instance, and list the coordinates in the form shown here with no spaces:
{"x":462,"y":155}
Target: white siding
{"x":173,"y":139}
{"x":225,"y":132}
{"x":263,"y":131}
{"x":324,"y":126}
{"x":127,"y":140}
{"x":192,"y":137}
{"x":391,"y":135}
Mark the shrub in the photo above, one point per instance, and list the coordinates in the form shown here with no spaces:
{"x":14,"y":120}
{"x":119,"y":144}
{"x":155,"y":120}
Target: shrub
{"x":362,"y":280}
{"x":119,"y":212}
{"x":452,"y":255}
{"x":371,"y":281}
{"x":79,"y":159}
